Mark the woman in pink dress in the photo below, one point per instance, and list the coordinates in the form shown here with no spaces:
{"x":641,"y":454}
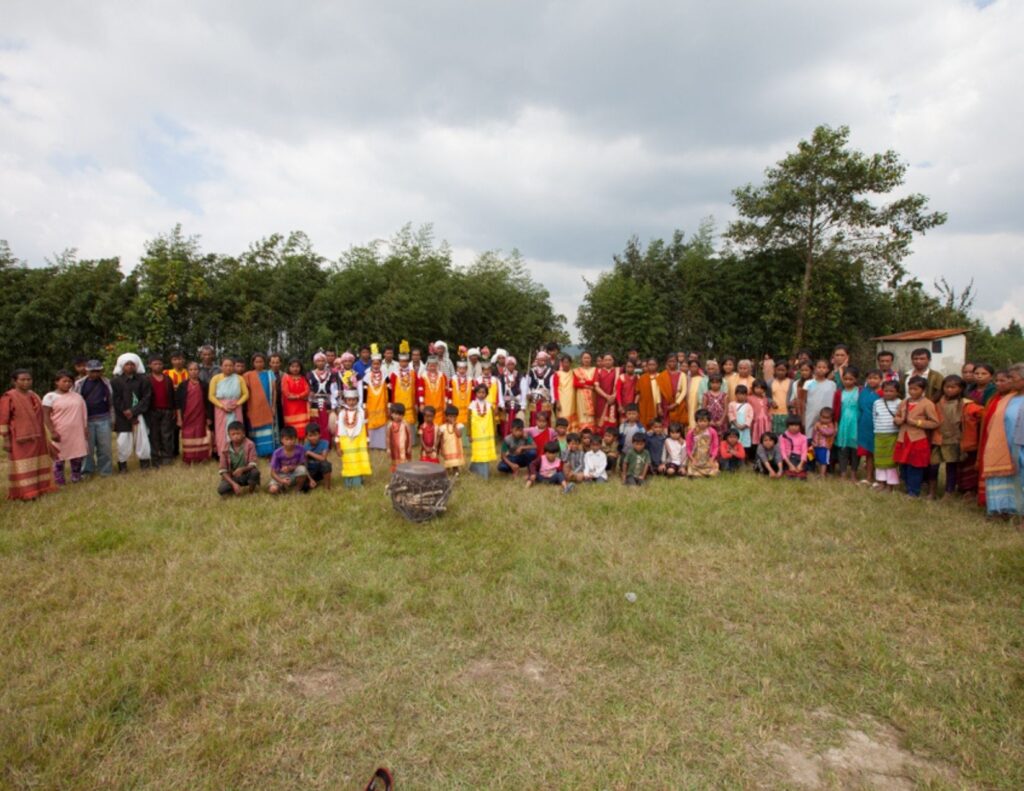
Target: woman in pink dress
{"x":66,"y":420}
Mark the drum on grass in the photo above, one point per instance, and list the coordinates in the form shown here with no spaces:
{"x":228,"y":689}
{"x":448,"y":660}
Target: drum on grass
{"x":419,"y":490}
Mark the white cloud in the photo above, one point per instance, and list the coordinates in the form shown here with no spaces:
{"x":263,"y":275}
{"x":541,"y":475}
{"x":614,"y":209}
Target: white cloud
{"x":557,"y":128}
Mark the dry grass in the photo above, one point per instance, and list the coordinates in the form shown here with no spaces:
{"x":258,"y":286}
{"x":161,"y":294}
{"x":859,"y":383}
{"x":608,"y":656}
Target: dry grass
{"x":156,"y":637}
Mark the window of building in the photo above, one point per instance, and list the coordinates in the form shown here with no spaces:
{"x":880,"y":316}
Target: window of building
{"x":936,"y":347}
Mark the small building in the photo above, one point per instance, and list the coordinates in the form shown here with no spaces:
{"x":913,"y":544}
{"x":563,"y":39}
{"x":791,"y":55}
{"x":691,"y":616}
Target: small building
{"x":948,"y":348}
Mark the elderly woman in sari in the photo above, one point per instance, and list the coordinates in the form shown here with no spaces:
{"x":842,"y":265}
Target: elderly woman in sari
{"x":228,"y":392}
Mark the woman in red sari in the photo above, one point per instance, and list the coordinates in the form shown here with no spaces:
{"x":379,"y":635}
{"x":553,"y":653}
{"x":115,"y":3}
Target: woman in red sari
{"x":605,"y":381}
{"x":192,"y":403}
{"x":295,"y":398}
{"x":24,"y":438}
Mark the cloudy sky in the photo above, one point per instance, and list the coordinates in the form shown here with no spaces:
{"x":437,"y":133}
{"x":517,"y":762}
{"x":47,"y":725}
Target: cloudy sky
{"x":559,"y":128}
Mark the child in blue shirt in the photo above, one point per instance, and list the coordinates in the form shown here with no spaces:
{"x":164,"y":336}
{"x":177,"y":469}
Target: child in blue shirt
{"x":316,"y":456}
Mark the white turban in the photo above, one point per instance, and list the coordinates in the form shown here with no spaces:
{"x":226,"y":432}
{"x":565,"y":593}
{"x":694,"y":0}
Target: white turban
{"x":128,"y":357}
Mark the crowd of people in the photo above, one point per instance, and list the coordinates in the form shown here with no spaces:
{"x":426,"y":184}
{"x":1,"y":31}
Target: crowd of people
{"x":559,"y":421}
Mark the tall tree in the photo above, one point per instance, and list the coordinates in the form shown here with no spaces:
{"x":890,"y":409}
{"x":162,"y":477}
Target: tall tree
{"x":817,"y":202}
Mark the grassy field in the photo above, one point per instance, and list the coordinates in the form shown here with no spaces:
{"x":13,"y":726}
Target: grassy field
{"x":784,"y":634}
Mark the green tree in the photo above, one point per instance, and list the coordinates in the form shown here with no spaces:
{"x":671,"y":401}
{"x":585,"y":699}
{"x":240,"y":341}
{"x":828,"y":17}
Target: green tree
{"x":172,"y":307}
{"x":817,"y":203}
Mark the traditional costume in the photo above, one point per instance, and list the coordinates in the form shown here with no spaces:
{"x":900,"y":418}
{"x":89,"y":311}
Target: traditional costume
{"x":295,"y":402}
{"x":625,"y":391}
{"x":399,"y":442}
{"x":375,"y":401}
{"x":321,"y":380}
{"x":538,"y":387}
{"x":261,"y":409}
{"x":672,"y":385}
{"x":563,"y":384}
{"x":586,"y":406}
{"x":513,"y":394}
{"x":460,"y":395}
{"x":648,"y":398}
{"x":431,"y":390}
{"x":403,"y":391}
{"x":450,"y":451}
{"x":428,"y":442}
{"x":30,"y":468}
{"x":605,"y":412}
{"x":1003,"y":459}
{"x":191,"y":401}
{"x":481,"y":430}
{"x":702,"y":451}
{"x":352,"y":443}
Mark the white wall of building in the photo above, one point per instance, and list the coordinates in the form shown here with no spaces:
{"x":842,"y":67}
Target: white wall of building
{"x":948,"y":361}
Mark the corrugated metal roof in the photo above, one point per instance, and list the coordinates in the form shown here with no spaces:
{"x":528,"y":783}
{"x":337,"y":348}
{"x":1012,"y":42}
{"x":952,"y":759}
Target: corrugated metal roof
{"x":920,"y":335}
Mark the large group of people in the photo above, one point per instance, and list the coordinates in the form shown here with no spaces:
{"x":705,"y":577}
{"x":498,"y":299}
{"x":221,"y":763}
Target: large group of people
{"x":556,"y":421}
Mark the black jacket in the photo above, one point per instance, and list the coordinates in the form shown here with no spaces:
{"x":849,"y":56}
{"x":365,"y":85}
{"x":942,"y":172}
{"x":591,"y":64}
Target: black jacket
{"x":127,"y":389}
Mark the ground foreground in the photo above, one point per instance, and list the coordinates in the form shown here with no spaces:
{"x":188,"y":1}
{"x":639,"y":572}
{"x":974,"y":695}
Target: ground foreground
{"x":782,"y":635}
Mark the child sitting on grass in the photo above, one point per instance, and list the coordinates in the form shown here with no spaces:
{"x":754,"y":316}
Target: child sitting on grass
{"x":673,"y":460}
{"x":595,"y":463}
{"x":238,"y":466}
{"x":573,"y":458}
{"x":656,"y":446}
{"x":288,"y":465}
{"x":630,"y":426}
{"x":562,"y":435}
{"x":316,"y":448}
{"x":610,"y":447}
{"x":702,"y":446}
{"x":793,"y":445}
{"x":517,"y":450}
{"x":731,"y":452}
{"x":547,"y":468}
{"x":769,"y":459}
{"x":636,"y":464}
{"x":542,"y":433}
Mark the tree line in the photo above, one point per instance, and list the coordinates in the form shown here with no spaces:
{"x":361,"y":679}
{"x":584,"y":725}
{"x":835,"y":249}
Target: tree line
{"x":279,"y":295}
{"x":811,"y":261}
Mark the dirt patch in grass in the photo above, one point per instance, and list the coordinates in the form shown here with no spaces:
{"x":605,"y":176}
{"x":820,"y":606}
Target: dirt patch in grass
{"x":869,"y":755}
{"x":507,"y":678}
{"x":326,"y":684}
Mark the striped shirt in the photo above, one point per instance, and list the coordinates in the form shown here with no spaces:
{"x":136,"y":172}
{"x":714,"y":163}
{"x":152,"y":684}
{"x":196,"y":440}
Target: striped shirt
{"x":884,"y":416}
